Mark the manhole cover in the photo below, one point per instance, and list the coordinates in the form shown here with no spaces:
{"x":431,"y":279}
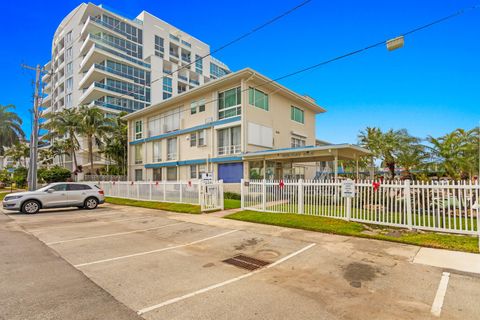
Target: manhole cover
{"x":245,"y":262}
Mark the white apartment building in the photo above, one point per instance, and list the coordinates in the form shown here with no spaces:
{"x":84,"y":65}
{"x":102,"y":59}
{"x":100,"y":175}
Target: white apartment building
{"x":100,"y":58}
{"x":242,"y":125}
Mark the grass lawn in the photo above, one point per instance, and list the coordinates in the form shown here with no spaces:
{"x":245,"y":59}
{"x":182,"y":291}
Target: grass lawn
{"x":342,"y":227}
{"x":231,"y":204}
{"x":167,"y":206}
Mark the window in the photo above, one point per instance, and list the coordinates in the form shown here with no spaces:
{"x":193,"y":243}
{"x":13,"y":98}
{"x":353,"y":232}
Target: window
{"x":138,"y":174}
{"x":193,"y":172}
{"x":69,"y":54}
{"x":229,"y":141}
{"x":229,"y":103}
{"x":171,"y":149}
{"x":69,"y":69}
{"x":298,"y":143}
{"x":157,"y":174}
{"x":68,"y":100}
{"x":59,"y":187}
{"x":197,"y":106}
{"x":174,"y":37}
{"x":201,"y":138}
{"x":172,"y":173}
{"x":166,"y":95}
{"x":258,"y":99}
{"x":167,"y":84}
{"x":201,"y":170}
{"x":69,"y":84}
{"x":68,"y":37}
{"x":77,"y":187}
{"x":193,"y":139}
{"x":138,"y":129}
{"x":138,"y":154}
{"x":157,"y":151}
{"x":159,"y":48}
{"x":297,"y":114}
{"x":198,"y":64}
{"x":217,"y":71}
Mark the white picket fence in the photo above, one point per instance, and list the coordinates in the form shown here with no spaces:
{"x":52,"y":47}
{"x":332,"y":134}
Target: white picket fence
{"x":450,"y":207}
{"x":208,"y":195}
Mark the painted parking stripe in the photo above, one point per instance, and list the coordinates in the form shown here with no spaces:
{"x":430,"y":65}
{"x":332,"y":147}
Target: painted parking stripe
{"x":155,"y":251}
{"x":224,"y":283}
{"x":114,"y":234}
{"x":440,"y":296}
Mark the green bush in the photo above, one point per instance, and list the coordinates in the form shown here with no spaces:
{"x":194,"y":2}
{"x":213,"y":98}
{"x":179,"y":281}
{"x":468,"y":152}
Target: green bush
{"x":20,"y":176}
{"x":232,"y":195}
{"x":54,"y":174}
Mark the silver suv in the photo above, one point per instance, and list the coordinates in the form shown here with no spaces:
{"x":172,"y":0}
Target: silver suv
{"x":56,"y":195}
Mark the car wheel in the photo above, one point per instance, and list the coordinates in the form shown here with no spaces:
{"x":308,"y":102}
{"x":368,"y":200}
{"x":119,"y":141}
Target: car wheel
{"x":91,"y":203}
{"x":31,"y":207}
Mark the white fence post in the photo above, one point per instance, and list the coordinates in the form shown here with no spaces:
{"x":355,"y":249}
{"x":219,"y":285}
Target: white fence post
{"x":200,"y":198}
{"x":348,"y":209}
{"x":300,"y":197}
{"x":138,"y":190}
{"x":242,"y":194}
{"x":220,"y":189}
{"x":408,"y":204}
{"x":150,"y":189}
{"x":264,"y":195}
{"x":164,"y":190}
{"x":181,"y":192}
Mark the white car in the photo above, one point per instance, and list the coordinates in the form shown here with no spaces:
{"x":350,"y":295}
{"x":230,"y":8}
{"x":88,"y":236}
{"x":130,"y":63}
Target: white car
{"x":56,"y":195}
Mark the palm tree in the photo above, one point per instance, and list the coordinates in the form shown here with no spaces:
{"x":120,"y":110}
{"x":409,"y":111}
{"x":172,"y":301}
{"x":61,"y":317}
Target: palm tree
{"x":387,"y":145}
{"x":94,"y":126}
{"x":116,"y":142}
{"x":10,"y":127}
{"x":62,"y":124}
{"x":456,"y":153}
{"x":19,"y":152}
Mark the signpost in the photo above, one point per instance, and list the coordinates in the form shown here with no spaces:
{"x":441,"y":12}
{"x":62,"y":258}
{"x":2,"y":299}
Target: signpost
{"x":348,"y":192}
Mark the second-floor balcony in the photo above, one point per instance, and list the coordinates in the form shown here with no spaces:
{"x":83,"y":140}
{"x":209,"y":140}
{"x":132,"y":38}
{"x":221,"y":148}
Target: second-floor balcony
{"x":171,"y":156}
{"x":227,"y":150}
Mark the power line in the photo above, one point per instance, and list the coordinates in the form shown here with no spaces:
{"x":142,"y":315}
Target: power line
{"x":348,"y":54}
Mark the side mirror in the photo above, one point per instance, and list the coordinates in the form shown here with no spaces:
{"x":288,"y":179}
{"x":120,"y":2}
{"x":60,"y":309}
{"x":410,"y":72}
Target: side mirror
{"x":50,"y":190}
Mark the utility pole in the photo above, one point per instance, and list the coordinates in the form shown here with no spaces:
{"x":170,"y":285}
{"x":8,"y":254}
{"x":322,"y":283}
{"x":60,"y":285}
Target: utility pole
{"x":32,"y":169}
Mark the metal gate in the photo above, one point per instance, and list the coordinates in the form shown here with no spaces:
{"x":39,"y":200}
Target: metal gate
{"x":211,"y":195}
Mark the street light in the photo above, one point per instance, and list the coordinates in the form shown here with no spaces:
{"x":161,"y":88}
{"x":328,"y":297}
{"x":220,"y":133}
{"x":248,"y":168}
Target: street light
{"x":395,"y":43}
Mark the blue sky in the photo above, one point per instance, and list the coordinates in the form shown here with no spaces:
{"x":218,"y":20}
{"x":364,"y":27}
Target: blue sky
{"x":429,"y":87}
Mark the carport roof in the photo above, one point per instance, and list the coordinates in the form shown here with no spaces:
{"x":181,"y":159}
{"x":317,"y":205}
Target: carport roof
{"x":311,"y":153}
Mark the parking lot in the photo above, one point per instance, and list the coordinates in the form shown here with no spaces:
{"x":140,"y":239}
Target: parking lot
{"x":172,"y":266}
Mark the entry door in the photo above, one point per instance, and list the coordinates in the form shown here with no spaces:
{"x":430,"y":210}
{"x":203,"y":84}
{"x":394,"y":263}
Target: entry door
{"x":230,"y":172}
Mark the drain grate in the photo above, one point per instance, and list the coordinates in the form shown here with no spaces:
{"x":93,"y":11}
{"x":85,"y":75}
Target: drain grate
{"x":245,"y":262}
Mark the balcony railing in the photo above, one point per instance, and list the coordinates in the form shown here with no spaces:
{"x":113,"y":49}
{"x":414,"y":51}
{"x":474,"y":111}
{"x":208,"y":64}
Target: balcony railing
{"x":226,"y":150}
{"x":121,"y":74}
{"x":195,"y":82}
{"x":171,"y":156}
{"x":116,"y":53}
{"x":186,"y":58}
{"x":183,"y":78}
{"x":121,"y":91}
{"x":174,"y":53}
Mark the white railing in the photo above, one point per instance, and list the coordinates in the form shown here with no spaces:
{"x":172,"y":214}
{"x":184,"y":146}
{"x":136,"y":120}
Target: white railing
{"x":94,"y":177}
{"x":225,"y":150}
{"x":451,"y":207}
{"x":208,"y":196}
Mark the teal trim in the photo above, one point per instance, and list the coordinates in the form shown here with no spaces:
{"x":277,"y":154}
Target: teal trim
{"x":194,"y":161}
{"x":188,"y":130}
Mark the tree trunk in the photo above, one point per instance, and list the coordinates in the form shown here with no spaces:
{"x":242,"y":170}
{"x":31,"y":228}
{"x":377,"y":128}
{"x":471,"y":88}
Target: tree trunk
{"x":391,"y":168}
{"x":90,"y":153}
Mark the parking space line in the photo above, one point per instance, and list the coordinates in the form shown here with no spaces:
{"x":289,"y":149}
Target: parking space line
{"x":154,"y":251}
{"x":114,"y":234}
{"x":224,"y":283}
{"x":441,"y":291}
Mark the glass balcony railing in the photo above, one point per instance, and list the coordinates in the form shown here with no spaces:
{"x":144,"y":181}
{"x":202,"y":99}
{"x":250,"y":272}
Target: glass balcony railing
{"x":173,"y":53}
{"x":112,"y":106}
{"x":140,"y":97}
{"x":186,"y":58}
{"x":121,"y":74}
{"x":184,"y":78}
{"x":118,"y":54}
{"x":195,"y":82}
